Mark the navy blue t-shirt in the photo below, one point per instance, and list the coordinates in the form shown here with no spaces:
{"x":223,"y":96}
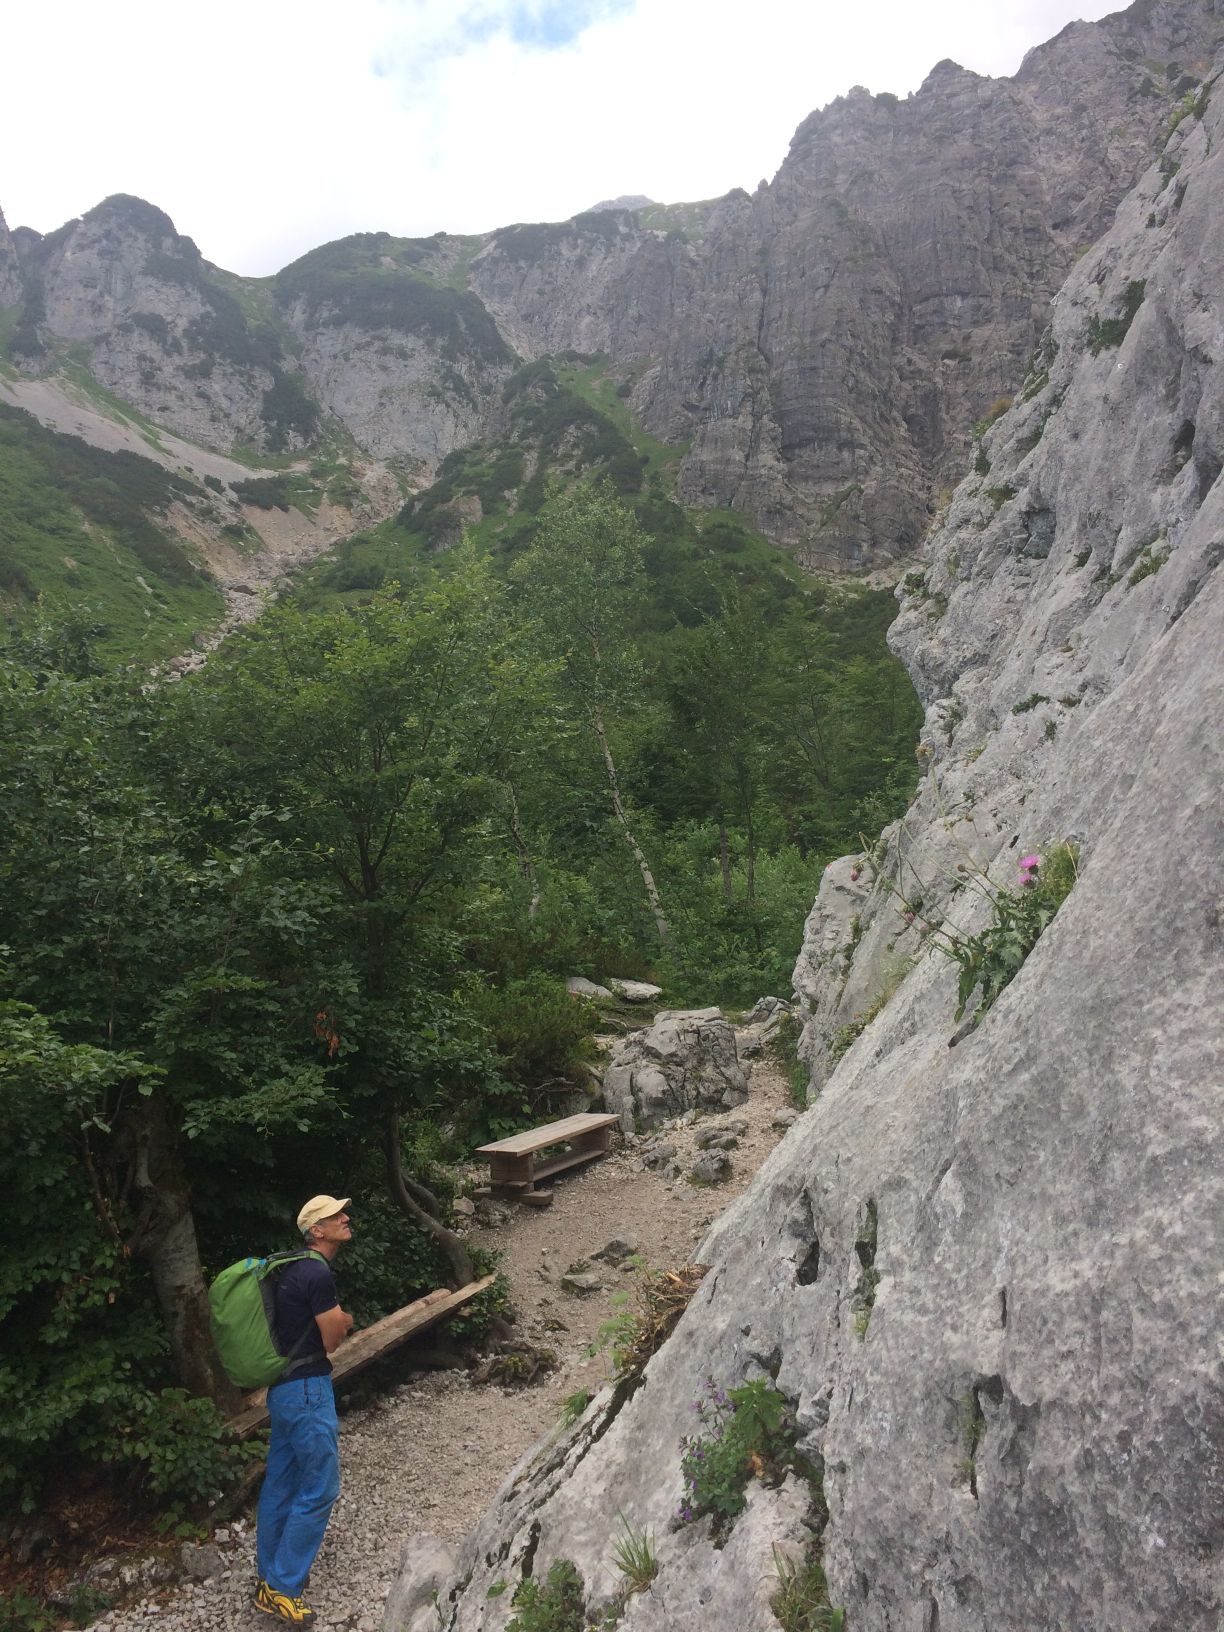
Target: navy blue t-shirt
{"x":304,"y":1290}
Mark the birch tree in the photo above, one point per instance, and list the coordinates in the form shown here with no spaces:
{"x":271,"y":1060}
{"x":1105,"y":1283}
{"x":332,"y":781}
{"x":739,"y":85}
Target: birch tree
{"x":581,"y":576}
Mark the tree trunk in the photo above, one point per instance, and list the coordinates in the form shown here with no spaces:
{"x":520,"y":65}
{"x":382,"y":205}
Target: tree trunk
{"x":526,"y":863}
{"x":652,"y":889}
{"x":449,"y":1244}
{"x":165,"y":1237}
{"x":724,"y":861}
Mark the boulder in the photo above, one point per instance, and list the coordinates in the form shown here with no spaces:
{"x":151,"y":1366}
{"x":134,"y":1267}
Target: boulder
{"x":201,"y":1563}
{"x":658,"y":1155}
{"x":616,"y":1251}
{"x":687,"y":1060}
{"x":579,"y":986}
{"x":765,"y":1008}
{"x":711,"y":1168}
{"x":635,"y":991}
{"x":580,"y":1283}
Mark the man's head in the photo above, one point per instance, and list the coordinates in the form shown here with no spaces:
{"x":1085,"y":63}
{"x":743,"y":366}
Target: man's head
{"x":324,"y":1224}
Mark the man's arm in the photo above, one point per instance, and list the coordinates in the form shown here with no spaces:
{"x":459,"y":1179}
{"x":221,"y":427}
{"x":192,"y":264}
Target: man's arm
{"x":334,"y":1326}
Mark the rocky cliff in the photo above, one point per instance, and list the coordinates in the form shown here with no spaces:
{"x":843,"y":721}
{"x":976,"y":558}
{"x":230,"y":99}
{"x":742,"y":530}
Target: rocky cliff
{"x":821,"y":349}
{"x":826,"y":345}
{"x":986,"y":1276}
{"x":10,"y":272}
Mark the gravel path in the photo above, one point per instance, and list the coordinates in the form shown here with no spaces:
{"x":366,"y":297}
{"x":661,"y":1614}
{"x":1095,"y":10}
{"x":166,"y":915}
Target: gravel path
{"x":431,"y":1454}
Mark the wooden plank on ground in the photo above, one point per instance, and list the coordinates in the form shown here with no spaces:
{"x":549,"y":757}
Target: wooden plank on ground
{"x":366,"y":1346}
{"x":552,"y":1133}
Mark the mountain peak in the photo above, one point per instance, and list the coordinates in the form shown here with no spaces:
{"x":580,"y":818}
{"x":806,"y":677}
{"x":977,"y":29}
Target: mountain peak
{"x":626,"y":201}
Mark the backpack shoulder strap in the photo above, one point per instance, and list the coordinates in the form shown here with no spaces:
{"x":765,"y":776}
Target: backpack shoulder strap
{"x":281,"y":1260}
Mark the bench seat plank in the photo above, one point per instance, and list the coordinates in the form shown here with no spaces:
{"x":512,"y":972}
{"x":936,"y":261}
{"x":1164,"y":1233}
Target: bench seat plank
{"x":553,"y":1133}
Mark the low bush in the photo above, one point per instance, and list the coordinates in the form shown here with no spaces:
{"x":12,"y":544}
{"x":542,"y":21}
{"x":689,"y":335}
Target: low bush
{"x":554,"y":1605}
{"x":746,"y":1433}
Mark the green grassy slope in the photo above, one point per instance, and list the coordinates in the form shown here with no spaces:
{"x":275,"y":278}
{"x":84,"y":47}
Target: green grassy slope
{"x":84,"y":526}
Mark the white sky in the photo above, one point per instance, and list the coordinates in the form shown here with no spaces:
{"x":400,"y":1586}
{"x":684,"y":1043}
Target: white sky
{"x":266,"y":127}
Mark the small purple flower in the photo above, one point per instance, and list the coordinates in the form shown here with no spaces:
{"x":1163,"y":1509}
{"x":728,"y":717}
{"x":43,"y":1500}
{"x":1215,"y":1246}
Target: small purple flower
{"x":1030,"y":861}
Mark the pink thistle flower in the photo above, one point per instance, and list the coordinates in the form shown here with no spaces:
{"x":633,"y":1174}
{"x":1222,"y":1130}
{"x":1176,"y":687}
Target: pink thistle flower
{"x":909,"y":917}
{"x":1030,"y":861}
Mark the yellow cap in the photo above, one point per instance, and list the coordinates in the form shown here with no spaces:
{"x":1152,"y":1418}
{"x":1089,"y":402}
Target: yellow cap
{"x":320,"y":1207}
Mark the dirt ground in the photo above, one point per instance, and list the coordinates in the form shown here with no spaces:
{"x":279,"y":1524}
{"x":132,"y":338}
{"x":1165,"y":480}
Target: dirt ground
{"x":431,"y":1453}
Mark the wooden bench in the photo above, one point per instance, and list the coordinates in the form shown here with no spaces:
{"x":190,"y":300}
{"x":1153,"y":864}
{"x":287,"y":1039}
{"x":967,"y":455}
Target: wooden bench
{"x":371,"y":1343}
{"x":514,"y":1164}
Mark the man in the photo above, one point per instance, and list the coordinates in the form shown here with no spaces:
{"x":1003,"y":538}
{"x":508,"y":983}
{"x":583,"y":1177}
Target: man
{"x":302,"y":1479}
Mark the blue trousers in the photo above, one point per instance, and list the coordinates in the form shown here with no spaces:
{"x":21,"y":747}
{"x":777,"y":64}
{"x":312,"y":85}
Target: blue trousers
{"x":301,"y":1483}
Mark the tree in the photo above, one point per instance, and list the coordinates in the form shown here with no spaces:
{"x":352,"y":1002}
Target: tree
{"x":583,"y":573}
{"x":381,"y":734}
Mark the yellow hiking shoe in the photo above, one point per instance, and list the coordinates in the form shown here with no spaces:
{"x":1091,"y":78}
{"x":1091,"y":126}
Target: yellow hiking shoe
{"x":293,"y":1610}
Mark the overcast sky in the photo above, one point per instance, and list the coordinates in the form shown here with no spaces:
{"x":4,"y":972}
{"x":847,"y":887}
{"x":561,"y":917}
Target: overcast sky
{"x":266,"y":127}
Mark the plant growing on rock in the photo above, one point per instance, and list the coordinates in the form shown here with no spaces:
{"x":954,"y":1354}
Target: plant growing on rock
{"x":746,"y":1433}
{"x":646,"y":1317}
{"x":990,"y":959}
{"x":801,"y":1603}
{"x":635,"y":1557}
{"x":554,"y":1605}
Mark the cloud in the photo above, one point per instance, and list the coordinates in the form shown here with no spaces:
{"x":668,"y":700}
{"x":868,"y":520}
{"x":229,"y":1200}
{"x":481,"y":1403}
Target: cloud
{"x":265,"y":127}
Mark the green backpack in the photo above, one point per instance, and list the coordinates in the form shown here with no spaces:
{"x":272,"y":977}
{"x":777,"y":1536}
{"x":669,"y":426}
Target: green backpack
{"x":242,"y":1313}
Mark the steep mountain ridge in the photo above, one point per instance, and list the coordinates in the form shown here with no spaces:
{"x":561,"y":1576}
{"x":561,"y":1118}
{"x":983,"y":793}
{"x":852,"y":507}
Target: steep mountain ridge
{"x":10,"y":270}
{"x":819,"y":350}
{"x":983,"y":1266}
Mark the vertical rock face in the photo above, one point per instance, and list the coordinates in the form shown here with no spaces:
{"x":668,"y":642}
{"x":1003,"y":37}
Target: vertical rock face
{"x":10,"y":271}
{"x":825,"y":345}
{"x":154,"y":325}
{"x":406,"y":358}
{"x":1020,"y":1421}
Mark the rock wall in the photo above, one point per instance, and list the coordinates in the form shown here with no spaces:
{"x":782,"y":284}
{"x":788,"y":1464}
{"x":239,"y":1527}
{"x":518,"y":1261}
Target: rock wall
{"x":826,"y":345}
{"x":1024,"y":1427}
{"x":136,"y":301}
{"x":10,"y":271}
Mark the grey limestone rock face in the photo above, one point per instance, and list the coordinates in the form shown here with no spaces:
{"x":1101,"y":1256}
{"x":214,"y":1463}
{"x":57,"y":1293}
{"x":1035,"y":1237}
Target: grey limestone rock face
{"x":123,"y":282}
{"x":10,"y":270}
{"x":395,"y":391}
{"x":1024,"y":1426}
{"x":685,"y":1060}
{"x":862,"y":311}
{"x":425,"y":1565}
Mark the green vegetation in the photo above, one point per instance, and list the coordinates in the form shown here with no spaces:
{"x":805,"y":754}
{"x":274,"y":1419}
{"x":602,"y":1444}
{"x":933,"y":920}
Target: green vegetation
{"x":1105,"y":332}
{"x":786,"y":1049}
{"x":801,"y":1602}
{"x":746,"y":1432}
{"x":573,"y":1406}
{"x":310,"y":909}
{"x":996,"y":411}
{"x":554,"y":1605}
{"x":1032,"y":701}
{"x":375,"y":281}
{"x":865,"y":1242}
{"x":79,"y":526}
{"x":646,"y":1316}
{"x":635,"y":1557}
{"x":1148,"y":561}
{"x":992,"y":957}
